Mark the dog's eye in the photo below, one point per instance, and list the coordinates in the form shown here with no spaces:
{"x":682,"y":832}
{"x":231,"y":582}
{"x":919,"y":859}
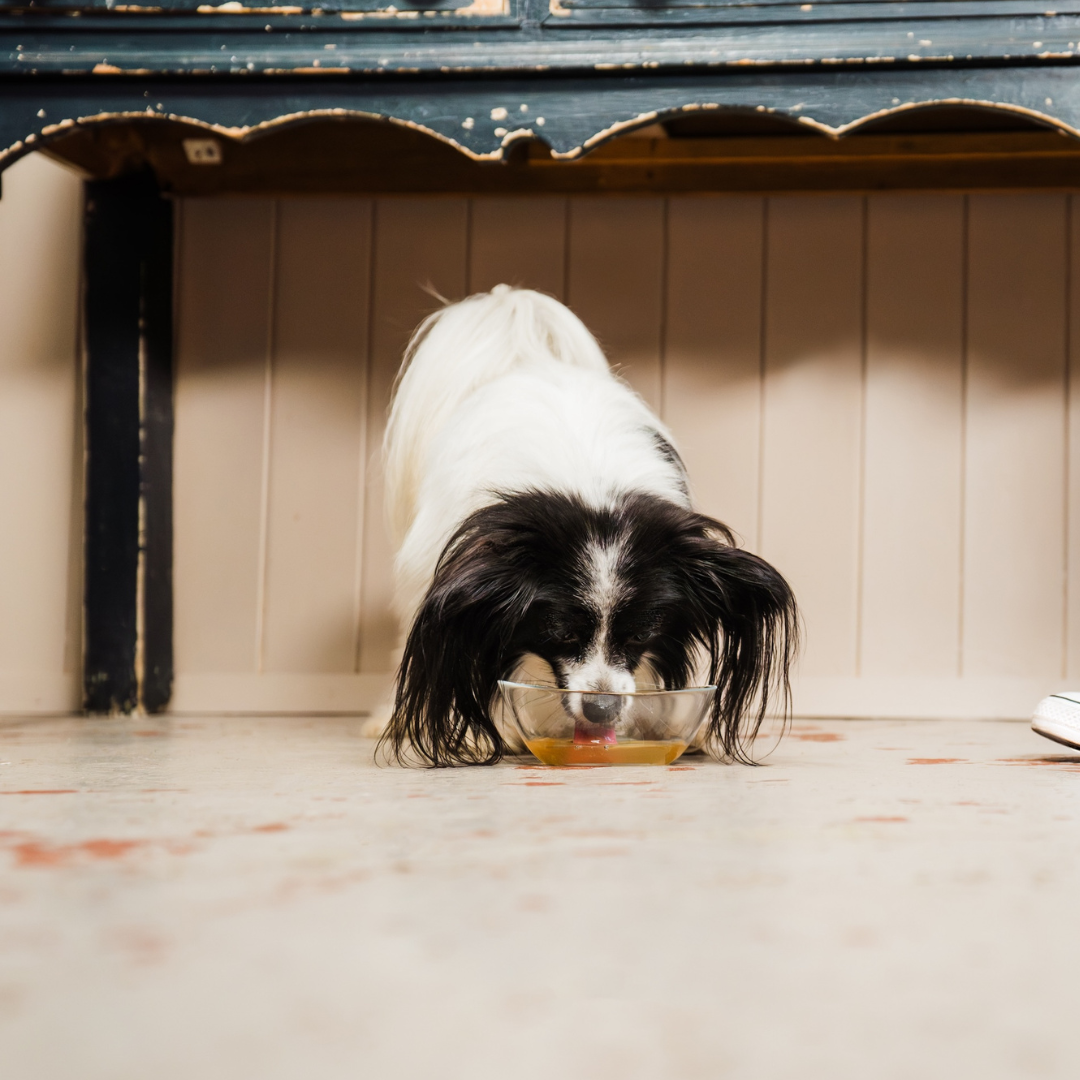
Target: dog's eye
{"x":564,"y":636}
{"x":641,"y":637}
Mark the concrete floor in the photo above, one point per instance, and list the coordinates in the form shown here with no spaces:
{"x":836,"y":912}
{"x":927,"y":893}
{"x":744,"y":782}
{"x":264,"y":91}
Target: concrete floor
{"x":233,"y":898}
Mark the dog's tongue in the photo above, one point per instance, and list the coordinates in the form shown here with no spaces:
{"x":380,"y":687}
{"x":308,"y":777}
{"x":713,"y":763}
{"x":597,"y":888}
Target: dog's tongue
{"x":586,"y":734}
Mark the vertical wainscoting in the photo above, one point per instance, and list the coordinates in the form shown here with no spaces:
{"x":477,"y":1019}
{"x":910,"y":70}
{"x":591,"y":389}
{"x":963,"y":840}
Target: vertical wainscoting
{"x":875,"y":393}
{"x":913,"y":445}
{"x":40,"y":439}
{"x":812,"y":422}
{"x":1014,"y":534}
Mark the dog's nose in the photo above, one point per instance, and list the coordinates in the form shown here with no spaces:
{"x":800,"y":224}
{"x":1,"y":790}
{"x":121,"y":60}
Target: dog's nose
{"x":601,"y":708}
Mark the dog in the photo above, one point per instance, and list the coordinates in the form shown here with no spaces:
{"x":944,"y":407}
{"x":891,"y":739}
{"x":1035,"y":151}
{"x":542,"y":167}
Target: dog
{"x":543,"y":524}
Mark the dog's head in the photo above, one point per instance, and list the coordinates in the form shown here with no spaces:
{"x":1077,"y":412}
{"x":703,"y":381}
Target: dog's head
{"x":644,"y":591}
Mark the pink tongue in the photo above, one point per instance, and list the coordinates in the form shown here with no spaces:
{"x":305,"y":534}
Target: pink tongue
{"x":586,"y":734}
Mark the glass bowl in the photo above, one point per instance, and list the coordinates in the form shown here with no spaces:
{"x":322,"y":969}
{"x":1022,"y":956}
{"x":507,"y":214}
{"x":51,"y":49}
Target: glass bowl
{"x":647,"y":727}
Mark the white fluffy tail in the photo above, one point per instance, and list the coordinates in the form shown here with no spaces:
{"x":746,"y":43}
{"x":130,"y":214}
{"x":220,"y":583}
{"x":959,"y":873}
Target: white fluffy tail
{"x":456,"y":351}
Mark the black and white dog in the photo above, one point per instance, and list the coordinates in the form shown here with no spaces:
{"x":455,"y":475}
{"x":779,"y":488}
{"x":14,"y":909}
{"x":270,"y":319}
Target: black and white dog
{"x":543,"y":521}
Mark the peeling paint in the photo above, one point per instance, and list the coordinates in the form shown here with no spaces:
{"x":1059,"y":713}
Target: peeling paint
{"x":485,"y":7}
{"x":609,"y":132}
{"x":505,"y":135}
{"x":518,"y":133}
{"x":388,"y":13}
{"x":235,"y":8}
{"x":1019,"y":110}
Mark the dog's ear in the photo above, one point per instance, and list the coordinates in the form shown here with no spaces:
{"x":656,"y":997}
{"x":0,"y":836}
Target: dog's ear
{"x":457,"y":649}
{"x":744,"y":614}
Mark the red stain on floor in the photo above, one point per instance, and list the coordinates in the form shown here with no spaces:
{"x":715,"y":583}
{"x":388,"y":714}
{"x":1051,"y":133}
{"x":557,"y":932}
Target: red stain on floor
{"x":35,"y":853}
{"x":884,"y":820}
{"x":273,"y":826}
{"x":108,"y":849}
{"x":681,"y":768}
{"x":818,"y":736}
{"x":43,"y":791}
{"x":936,"y":761}
{"x":543,"y":783}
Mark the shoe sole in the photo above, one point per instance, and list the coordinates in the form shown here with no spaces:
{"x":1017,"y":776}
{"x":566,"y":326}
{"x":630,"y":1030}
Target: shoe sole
{"x":1058,"y":719}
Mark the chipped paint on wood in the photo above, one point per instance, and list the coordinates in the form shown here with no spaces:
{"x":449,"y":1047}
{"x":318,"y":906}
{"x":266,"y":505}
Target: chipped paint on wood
{"x":610,"y":133}
{"x":978,"y":103}
{"x":235,"y":8}
{"x":485,"y":7}
{"x":477,"y":7}
{"x":481,"y":117}
{"x":240,"y":133}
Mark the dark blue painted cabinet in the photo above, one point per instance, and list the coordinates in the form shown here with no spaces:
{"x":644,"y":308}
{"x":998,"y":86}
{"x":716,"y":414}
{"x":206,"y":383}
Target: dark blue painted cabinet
{"x":484,"y":74}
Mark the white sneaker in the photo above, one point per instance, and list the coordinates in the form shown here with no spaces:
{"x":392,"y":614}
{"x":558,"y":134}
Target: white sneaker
{"x":1058,"y":717}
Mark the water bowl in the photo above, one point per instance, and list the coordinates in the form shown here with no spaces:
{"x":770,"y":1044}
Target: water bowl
{"x":646,"y":727}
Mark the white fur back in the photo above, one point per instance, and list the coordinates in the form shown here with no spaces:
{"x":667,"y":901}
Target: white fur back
{"x":455,"y":352}
{"x":508,"y":392}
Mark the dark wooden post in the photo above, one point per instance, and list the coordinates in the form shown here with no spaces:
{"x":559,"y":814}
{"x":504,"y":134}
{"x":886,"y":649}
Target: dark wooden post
{"x":127,"y":655}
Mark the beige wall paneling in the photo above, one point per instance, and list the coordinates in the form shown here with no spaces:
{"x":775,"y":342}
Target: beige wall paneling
{"x":860,"y":452}
{"x":320,"y":342}
{"x":914,"y":435}
{"x":615,"y":283}
{"x":1072,"y":494}
{"x":813,"y":417}
{"x":418,"y":243}
{"x":518,"y":241}
{"x":1015,"y":453}
{"x":222,"y":424}
{"x":40,"y":439}
{"x":712,"y":352}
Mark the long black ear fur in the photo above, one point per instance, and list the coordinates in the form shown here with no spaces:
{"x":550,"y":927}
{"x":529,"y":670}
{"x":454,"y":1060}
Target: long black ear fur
{"x":745,"y":616}
{"x":459,"y":646}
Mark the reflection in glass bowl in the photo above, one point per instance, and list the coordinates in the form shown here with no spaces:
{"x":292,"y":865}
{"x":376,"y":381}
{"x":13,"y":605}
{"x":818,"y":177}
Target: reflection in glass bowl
{"x":647,"y":727}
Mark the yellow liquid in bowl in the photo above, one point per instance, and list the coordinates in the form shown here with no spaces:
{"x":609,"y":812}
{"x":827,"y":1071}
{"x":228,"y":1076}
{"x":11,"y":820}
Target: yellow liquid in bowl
{"x":631,"y":752}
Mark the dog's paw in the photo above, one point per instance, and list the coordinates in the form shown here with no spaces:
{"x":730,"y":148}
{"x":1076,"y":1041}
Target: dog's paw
{"x":374,"y":726}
